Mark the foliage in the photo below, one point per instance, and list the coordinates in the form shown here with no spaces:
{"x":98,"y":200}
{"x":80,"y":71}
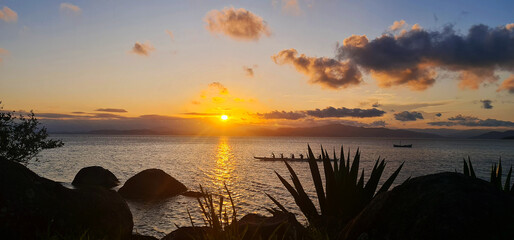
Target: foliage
{"x":22,"y":137}
{"x":344,"y":195}
{"x":495,"y":176}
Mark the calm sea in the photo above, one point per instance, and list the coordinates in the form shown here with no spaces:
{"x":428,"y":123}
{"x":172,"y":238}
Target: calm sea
{"x":213,"y":161}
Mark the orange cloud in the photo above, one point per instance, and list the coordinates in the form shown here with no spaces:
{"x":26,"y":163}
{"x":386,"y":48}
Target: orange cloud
{"x":509,"y":26}
{"x":142,"y":49}
{"x":238,"y":24}
{"x":8,"y":15}
{"x":249,"y":71}
{"x":218,"y":86}
{"x":327,"y":72}
{"x":397,"y":25}
{"x":507,"y":85}
{"x":70,"y":8}
{"x":170,"y":33}
{"x":291,"y":7}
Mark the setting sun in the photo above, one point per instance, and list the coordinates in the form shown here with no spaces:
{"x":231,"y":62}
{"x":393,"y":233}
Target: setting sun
{"x":224,"y":117}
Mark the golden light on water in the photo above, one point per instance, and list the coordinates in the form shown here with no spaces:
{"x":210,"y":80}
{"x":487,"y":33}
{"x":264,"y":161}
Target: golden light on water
{"x":224,"y":117}
{"x":224,"y":163}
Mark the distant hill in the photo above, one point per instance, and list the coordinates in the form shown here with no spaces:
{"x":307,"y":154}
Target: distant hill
{"x":339,"y":130}
{"x":496,"y":135}
{"x":453,"y":133}
{"x":332,"y":130}
{"x":124,"y":132}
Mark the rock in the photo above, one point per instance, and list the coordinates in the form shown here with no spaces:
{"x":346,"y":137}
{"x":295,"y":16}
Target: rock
{"x":32,"y":207}
{"x":193,"y":194}
{"x":189,"y":233}
{"x":95,"y":176}
{"x":151,"y":184}
{"x":438,"y":206}
{"x":279,"y":226}
{"x":142,"y":237}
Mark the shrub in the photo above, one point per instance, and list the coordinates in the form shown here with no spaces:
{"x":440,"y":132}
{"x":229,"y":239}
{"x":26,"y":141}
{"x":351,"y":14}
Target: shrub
{"x":495,"y":176}
{"x":22,"y":137}
{"x":344,"y":194}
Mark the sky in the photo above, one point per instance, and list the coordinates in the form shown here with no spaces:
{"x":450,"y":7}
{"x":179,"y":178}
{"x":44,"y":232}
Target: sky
{"x":128,"y":64}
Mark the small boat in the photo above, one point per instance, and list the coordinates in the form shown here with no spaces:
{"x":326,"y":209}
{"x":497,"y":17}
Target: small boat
{"x":403,"y":146}
{"x":287,"y":159}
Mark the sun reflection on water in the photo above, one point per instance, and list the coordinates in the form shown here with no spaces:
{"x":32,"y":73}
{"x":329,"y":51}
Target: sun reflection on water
{"x":224,"y":167}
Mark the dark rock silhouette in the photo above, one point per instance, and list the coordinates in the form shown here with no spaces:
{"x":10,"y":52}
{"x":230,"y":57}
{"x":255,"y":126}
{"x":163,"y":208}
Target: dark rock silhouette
{"x":438,"y":206}
{"x":280,"y":225}
{"x":142,"y":237}
{"x":95,"y":176}
{"x":189,"y":233}
{"x":32,"y":207}
{"x":151,"y":184}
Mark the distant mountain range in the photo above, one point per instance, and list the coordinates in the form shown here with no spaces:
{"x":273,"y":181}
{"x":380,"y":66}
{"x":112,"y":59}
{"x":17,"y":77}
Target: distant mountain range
{"x":332,"y":130}
{"x":496,"y":135}
{"x":339,"y":130}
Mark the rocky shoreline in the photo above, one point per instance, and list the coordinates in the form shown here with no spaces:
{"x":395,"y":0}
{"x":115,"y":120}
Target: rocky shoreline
{"x":437,"y":206}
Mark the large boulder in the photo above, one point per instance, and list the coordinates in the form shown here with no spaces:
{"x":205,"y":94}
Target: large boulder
{"x":151,"y":184}
{"x":32,"y":206}
{"x":191,"y":233}
{"x":280,"y":226}
{"x":95,"y":176}
{"x":438,"y":206}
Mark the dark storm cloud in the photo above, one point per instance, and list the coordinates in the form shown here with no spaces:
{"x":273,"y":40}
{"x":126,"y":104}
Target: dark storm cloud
{"x":329,"y":112}
{"x":111,"y":110}
{"x":469,"y":121}
{"x":282,"y":115}
{"x":438,"y":114}
{"x":412,"y":57}
{"x":408,"y":116}
{"x":326,"y":72}
{"x":345,"y":112}
{"x":486,"y":104}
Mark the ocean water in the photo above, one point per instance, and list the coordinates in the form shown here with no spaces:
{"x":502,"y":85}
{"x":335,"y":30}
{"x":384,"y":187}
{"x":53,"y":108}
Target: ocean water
{"x":215,"y":161}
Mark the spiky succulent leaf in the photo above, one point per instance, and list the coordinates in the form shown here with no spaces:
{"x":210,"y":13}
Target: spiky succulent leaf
{"x":387,"y":184}
{"x":318,"y":184}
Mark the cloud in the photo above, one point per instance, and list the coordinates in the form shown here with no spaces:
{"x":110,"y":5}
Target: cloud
{"x":170,"y":33}
{"x":408,"y":116}
{"x":376,"y":104}
{"x":507,"y":85}
{"x":486,"y":104}
{"x":291,"y":7}
{"x":509,"y":26}
{"x":111,"y":110}
{"x":397,"y":25}
{"x":248,"y":71}
{"x":238,"y":24}
{"x":69,"y":8}
{"x":218,"y":86}
{"x":282,"y":115}
{"x":439,"y":114}
{"x":142,"y":49}
{"x":327,"y":72}
{"x":470,"y":121}
{"x":345,"y":112}
{"x":8,"y":15}
{"x":3,"y":52}
{"x":412,"y":57}
{"x":329,"y":112}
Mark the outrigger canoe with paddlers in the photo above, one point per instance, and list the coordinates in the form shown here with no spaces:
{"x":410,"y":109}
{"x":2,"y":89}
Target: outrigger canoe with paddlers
{"x":291,"y":158}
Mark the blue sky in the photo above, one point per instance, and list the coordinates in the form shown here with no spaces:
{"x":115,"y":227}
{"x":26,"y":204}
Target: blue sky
{"x":57,"y":60}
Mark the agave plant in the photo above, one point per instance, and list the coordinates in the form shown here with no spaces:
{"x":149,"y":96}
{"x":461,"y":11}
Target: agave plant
{"x":495,"y":176}
{"x":345,"y":194}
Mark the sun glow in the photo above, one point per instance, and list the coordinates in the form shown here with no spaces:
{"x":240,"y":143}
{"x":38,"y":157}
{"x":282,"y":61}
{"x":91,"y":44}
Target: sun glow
{"x":224,"y":117}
